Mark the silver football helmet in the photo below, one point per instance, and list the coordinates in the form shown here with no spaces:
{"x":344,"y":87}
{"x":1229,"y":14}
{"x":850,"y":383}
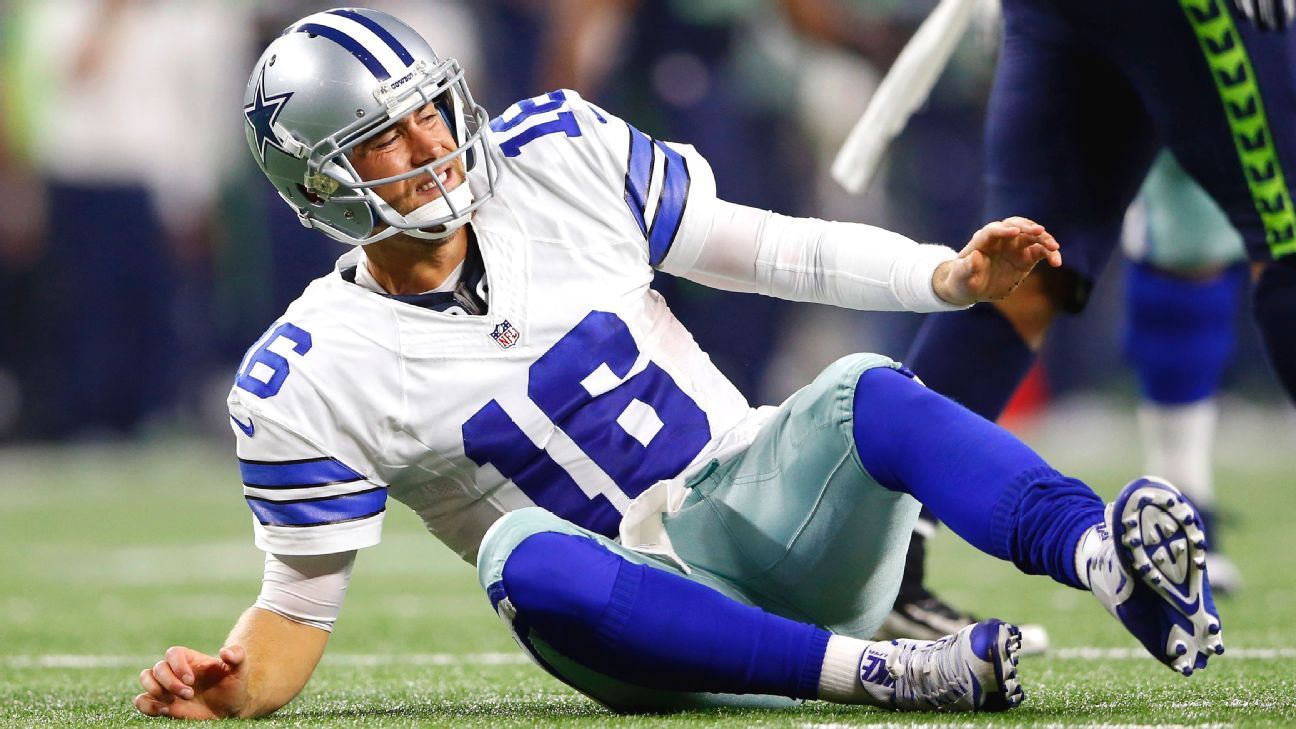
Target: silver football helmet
{"x":337,"y":78}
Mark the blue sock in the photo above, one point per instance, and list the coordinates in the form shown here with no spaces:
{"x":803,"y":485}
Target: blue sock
{"x":1180,"y":333}
{"x":653,"y":628}
{"x":984,"y":483}
{"x":1274,"y":308}
{"x":948,"y":342}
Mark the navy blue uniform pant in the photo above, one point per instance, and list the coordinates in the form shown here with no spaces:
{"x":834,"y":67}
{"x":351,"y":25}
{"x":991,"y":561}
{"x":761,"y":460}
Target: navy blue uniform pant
{"x":1087,"y":91}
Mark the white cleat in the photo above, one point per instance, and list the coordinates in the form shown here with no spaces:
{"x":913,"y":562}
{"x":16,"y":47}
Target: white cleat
{"x":974,"y":669}
{"x":1148,"y":568}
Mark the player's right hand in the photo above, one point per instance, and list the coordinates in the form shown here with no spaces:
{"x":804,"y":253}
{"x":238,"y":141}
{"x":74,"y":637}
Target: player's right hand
{"x":1268,"y":14}
{"x":187,"y":684}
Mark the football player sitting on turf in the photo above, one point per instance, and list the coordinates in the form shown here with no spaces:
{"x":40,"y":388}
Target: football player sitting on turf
{"x":491,"y":355}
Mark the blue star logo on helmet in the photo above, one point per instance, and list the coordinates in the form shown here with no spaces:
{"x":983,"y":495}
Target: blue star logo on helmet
{"x":261,"y":115}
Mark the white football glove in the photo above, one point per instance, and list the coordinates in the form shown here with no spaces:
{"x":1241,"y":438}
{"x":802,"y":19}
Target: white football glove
{"x":1268,"y":14}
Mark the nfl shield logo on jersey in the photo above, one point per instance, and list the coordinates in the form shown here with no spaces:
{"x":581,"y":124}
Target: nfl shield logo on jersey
{"x":505,"y":334}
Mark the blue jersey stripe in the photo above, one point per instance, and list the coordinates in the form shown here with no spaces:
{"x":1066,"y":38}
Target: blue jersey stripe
{"x":670,"y":206}
{"x":296,"y":474}
{"x":401,"y":51}
{"x":528,"y":108}
{"x":639,"y":164}
{"x":351,"y":44}
{"x":318,"y":512}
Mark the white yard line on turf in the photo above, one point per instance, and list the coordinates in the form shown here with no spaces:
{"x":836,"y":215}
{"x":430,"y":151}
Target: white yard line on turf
{"x":364,"y":660}
{"x":1128,"y":654}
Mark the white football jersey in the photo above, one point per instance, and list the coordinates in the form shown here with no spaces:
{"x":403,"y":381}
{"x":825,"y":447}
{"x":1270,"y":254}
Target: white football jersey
{"x":576,"y":391}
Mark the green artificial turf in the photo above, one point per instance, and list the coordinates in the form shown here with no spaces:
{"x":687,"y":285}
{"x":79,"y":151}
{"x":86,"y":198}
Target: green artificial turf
{"x":111,"y":554}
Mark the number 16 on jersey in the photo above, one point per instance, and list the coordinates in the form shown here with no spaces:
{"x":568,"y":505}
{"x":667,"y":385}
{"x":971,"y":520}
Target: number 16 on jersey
{"x":638,"y":429}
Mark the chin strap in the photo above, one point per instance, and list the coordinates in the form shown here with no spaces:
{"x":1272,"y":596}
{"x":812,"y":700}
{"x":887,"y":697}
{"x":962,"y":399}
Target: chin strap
{"x":439,"y":210}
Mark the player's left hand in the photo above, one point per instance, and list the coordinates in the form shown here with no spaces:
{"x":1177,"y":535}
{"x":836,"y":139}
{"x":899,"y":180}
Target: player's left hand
{"x":995,"y":261}
{"x":187,"y":684}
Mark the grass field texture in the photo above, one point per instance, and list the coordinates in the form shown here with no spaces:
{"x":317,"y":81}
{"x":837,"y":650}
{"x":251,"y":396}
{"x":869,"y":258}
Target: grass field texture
{"x":111,"y":554}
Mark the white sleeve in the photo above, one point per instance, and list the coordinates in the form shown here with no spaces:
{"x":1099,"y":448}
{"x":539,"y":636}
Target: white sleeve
{"x":850,"y":265}
{"x":307,"y":589}
{"x":304,"y":499}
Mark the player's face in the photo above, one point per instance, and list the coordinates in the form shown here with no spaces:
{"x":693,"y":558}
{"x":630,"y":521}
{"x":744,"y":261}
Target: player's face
{"x":411,"y":142}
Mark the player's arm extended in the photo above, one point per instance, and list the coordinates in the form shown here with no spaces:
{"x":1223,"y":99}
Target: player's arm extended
{"x":858,"y":266}
{"x":269,"y":655}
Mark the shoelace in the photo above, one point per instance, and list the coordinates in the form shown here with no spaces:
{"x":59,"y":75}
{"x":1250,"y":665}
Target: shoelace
{"x":929,"y":675}
{"x":1107,"y":580}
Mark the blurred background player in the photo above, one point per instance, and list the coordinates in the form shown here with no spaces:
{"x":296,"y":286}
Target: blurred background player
{"x":124,"y":317}
{"x":1183,"y":289}
{"x":1084,"y":95}
{"x":117,"y":292}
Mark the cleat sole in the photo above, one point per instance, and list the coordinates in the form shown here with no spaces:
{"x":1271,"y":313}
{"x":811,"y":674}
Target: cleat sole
{"x":1008,"y":694}
{"x":1164,"y":546}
